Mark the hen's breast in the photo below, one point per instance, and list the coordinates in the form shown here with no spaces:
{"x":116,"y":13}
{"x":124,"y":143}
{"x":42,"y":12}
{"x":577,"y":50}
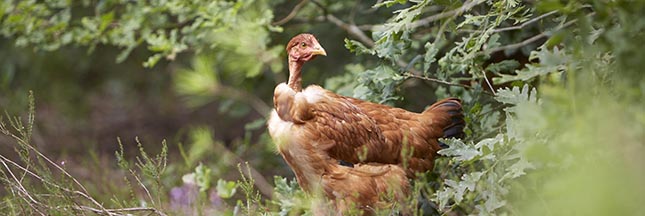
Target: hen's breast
{"x":280,"y":130}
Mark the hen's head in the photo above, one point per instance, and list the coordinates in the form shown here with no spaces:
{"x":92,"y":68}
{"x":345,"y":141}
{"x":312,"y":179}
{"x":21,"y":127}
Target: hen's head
{"x":304,"y":47}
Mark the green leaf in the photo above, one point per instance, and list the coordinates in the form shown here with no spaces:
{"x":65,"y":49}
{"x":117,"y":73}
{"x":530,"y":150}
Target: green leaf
{"x":516,"y":96}
{"x":459,"y":150}
{"x":289,"y":196}
{"x":490,"y":143}
{"x":389,"y":3}
{"x":518,"y":169}
{"x":106,"y":20}
{"x":346,"y":83}
{"x":430,"y":56}
{"x":226,"y":189}
{"x":203,"y":177}
{"x":503,"y":66}
{"x":551,"y":61}
{"x":357,"y":47}
{"x":378,"y":84}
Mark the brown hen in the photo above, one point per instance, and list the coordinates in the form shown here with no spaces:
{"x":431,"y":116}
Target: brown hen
{"x":357,"y":131}
{"x":299,"y":141}
{"x":315,"y":128}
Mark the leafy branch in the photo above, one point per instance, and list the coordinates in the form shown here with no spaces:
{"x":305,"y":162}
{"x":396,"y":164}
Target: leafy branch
{"x":456,"y":12}
{"x":534,"y":38}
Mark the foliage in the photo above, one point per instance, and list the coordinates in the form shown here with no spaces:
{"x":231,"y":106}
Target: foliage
{"x":553,"y":94}
{"x":489,"y":169}
{"x":166,"y":28}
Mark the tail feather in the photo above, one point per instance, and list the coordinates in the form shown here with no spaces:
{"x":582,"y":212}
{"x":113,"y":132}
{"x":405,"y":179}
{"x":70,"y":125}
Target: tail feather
{"x":448,"y":114}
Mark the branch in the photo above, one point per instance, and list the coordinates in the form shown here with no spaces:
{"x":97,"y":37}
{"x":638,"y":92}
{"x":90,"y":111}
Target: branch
{"x":352,"y":30}
{"x":21,"y":189}
{"x":511,"y":28}
{"x":465,"y":7}
{"x":531,"y":39}
{"x":291,"y":14}
{"x":373,"y":9}
{"x":25,"y":143}
{"x":142,"y":186}
{"x":263,"y":185}
{"x":531,"y":21}
{"x":256,"y":103}
{"x":27,"y":171}
{"x":488,"y":82}
{"x":113,"y":211}
{"x":408,"y":74}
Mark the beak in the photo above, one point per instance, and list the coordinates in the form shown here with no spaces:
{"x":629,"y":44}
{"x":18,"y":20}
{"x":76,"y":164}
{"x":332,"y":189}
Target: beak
{"x":318,"y":50}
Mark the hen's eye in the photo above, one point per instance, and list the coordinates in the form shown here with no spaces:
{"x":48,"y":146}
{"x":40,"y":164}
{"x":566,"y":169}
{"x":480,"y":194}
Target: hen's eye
{"x":303,"y":44}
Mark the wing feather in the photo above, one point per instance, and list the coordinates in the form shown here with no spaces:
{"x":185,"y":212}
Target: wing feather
{"x":358,"y":131}
{"x":342,"y":124}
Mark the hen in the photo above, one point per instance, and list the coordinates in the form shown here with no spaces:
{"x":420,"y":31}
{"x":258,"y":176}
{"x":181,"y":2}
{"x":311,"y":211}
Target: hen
{"x":296,"y":133}
{"x":315,"y":128}
{"x":358,"y":131}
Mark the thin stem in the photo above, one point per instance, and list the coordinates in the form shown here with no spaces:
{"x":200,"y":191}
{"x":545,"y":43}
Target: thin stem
{"x":465,"y":7}
{"x":488,"y":82}
{"x":531,"y":39}
{"x":291,"y":14}
{"x":408,"y":74}
{"x":521,"y":26}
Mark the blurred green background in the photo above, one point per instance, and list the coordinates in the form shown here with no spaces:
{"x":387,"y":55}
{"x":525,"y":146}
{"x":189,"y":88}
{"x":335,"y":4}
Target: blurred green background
{"x":553,"y":93}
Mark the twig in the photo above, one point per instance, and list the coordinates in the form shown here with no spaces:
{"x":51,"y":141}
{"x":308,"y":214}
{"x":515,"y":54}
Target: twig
{"x":25,"y":143}
{"x":488,"y":82}
{"x":353,"y":30}
{"x":365,"y":27}
{"x":263,"y":185}
{"x":465,"y":7}
{"x":134,"y":209}
{"x":408,"y":74}
{"x":256,"y":103}
{"x":4,"y":159}
{"x":511,"y":28}
{"x":291,"y":14}
{"x":517,"y":45}
{"x":531,"y":39}
{"x":531,"y":21}
{"x":373,"y":9}
{"x":143,"y":186}
{"x":22,"y":189}
{"x":112,"y":211}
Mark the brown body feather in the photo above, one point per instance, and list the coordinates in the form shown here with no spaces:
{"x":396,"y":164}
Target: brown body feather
{"x":359,"y":131}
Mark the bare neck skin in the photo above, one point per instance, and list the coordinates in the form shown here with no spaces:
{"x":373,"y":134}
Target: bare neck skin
{"x":295,"y":79}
